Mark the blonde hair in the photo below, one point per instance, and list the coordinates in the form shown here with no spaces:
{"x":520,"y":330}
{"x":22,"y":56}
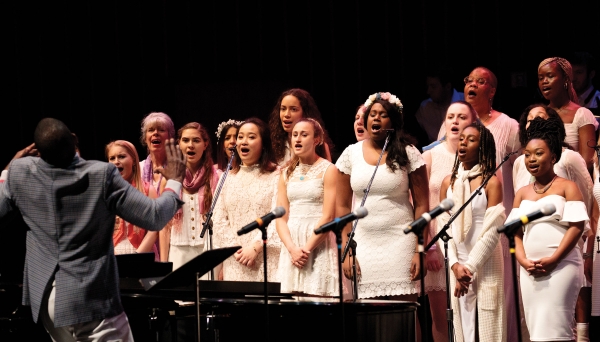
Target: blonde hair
{"x":135,"y":168}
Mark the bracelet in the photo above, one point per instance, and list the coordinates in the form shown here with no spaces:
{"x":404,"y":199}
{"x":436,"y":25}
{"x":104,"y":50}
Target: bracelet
{"x":587,"y":255}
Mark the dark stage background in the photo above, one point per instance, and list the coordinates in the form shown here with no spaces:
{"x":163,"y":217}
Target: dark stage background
{"x":101,"y":66}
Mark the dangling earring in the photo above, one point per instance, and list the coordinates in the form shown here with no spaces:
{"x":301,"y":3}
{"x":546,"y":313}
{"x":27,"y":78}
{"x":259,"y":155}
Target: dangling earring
{"x":566,"y":85}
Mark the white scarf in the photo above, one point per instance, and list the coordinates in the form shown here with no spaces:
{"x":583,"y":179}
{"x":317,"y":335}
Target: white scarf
{"x":460,"y":194}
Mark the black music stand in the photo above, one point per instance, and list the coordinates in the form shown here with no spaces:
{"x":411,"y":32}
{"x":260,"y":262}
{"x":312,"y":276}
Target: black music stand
{"x":189,"y":274}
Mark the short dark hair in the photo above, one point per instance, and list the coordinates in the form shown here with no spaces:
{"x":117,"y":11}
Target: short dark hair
{"x":583,"y":58}
{"x":54,"y":141}
{"x":443,"y":73}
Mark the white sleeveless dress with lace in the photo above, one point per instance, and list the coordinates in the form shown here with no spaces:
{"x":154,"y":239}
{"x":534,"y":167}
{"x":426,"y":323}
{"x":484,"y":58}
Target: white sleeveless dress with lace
{"x":305,"y":193}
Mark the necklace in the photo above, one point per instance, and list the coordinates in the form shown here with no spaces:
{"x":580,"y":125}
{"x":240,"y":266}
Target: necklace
{"x":304,"y":168}
{"x":488,"y":117}
{"x":537,"y":191}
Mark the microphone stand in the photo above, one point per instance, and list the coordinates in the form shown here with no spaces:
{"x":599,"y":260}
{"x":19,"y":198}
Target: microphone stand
{"x":263,"y":230}
{"x":208,"y":224}
{"x":445,"y":237}
{"x":338,"y":240}
{"x":510,"y":234}
{"x":351,"y":241}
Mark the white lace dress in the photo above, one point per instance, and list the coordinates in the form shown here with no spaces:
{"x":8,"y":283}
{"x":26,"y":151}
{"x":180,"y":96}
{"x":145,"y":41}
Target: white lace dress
{"x":320,"y":274}
{"x":383,"y":250}
{"x":442,"y":161}
{"x":246,"y":195}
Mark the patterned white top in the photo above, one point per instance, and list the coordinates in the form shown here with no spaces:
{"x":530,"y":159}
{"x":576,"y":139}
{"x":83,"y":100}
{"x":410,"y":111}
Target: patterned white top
{"x":245,"y":196}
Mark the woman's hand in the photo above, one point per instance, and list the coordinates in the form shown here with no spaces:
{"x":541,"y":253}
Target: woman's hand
{"x":347,"y":269}
{"x":460,"y":290}
{"x":299,"y":256}
{"x":462,"y":274}
{"x":432,"y":260}
{"x":246,"y":255}
{"x":415,"y":267}
{"x":546,"y":265}
{"x":532,"y":267}
{"x":220,"y":276}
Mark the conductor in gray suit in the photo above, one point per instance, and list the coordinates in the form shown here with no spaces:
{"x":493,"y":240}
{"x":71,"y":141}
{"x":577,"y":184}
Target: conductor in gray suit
{"x":70,"y":278}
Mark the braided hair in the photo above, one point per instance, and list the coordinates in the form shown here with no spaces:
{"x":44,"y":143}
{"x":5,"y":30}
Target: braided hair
{"x":549,"y":131}
{"x":487,"y":153}
{"x":552,"y":115}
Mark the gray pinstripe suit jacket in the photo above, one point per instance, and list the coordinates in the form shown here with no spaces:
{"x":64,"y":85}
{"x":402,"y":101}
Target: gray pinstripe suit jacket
{"x":70,"y":213}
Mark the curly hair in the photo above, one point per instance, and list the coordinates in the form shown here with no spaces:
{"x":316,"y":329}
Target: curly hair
{"x":487,"y":153}
{"x":206,"y":161}
{"x":397,"y":156}
{"x":549,"y":131}
{"x":267,"y":161}
{"x":279,"y":136}
{"x":552,"y":115}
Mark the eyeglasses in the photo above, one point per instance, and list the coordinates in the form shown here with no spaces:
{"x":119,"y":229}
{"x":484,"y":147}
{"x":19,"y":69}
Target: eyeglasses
{"x":480,"y":81}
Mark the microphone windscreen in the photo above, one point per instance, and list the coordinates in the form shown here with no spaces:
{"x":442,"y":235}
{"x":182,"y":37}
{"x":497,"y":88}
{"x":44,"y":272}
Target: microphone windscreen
{"x":548,"y":209}
{"x":447,"y":204}
{"x":361,"y":212}
{"x":279,"y":211}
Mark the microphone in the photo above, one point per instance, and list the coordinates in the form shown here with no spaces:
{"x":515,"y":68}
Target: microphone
{"x":262,"y":221}
{"x":359,"y":213}
{"x":422,"y":221}
{"x":547,"y":209}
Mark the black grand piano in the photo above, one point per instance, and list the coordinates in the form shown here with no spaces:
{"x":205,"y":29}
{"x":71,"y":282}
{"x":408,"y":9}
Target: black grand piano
{"x":157,"y":300}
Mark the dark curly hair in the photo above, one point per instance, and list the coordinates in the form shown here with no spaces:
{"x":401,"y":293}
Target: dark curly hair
{"x":552,"y":115}
{"x":397,"y":156}
{"x":309,"y":110}
{"x":549,"y":131}
{"x":487,"y":153}
{"x":267,"y":161}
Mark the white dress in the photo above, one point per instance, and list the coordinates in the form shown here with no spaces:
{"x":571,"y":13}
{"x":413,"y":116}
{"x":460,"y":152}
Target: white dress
{"x":442,"y":162}
{"x":246,"y":195}
{"x":549,"y":301}
{"x":319,"y":276}
{"x":383,"y":250}
{"x":583,"y":116}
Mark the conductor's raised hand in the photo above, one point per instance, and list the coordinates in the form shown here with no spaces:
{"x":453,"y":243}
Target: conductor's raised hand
{"x":176,"y":162}
{"x":29,"y":151}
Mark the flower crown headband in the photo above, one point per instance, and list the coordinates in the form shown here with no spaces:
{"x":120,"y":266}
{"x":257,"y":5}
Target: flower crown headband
{"x":229,"y":122}
{"x":391,"y":98}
